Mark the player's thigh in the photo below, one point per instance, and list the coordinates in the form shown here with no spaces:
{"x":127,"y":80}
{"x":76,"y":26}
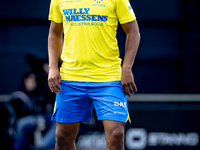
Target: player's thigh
{"x":67,"y":131}
{"x":72,"y":104}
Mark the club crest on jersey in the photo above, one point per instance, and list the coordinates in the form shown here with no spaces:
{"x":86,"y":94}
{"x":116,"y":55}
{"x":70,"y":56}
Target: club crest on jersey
{"x":98,"y":1}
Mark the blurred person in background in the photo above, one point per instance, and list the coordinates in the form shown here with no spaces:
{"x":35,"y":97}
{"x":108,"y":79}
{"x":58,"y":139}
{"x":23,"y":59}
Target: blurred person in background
{"x":91,"y":72}
{"x":35,"y":86}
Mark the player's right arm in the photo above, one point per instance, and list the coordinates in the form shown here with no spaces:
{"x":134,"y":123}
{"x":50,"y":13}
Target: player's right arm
{"x":54,"y":47}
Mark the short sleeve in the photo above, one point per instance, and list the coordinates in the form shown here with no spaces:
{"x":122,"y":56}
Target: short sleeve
{"x":124,"y":11}
{"x":54,"y":12}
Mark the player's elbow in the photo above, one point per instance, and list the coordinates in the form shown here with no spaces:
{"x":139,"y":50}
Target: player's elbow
{"x":135,"y":35}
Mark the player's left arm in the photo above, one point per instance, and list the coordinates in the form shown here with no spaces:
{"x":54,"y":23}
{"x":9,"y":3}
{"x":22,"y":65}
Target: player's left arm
{"x":132,"y":42}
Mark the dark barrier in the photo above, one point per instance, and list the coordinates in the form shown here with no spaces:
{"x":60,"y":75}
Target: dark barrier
{"x":164,"y":122}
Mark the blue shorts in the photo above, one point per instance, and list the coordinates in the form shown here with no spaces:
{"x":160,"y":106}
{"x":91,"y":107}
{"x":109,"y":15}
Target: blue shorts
{"x":75,"y":101}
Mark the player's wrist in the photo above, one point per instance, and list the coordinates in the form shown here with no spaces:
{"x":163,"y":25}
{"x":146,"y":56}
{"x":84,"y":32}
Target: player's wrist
{"x":53,"y":67}
{"x":126,"y":68}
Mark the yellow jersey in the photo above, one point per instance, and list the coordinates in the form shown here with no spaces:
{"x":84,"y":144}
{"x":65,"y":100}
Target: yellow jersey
{"x":90,"y":50}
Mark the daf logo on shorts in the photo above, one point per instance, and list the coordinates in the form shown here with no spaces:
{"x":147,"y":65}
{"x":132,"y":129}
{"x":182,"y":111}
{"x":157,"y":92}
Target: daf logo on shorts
{"x":121,"y":104}
{"x":98,"y":1}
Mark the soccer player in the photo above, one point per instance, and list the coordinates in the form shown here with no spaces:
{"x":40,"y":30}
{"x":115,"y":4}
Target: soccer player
{"x":91,"y":72}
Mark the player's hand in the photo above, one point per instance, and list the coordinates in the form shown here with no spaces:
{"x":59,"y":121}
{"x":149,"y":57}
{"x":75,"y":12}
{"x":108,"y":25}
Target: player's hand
{"x":54,"y":79}
{"x":128,"y":83}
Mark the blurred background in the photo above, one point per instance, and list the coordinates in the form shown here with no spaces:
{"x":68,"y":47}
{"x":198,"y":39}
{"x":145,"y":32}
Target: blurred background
{"x":164,"y":112}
